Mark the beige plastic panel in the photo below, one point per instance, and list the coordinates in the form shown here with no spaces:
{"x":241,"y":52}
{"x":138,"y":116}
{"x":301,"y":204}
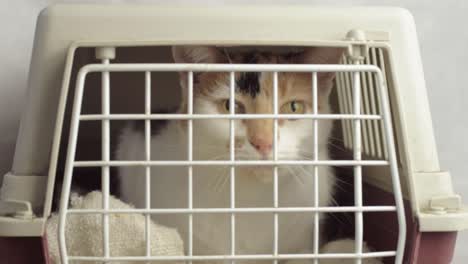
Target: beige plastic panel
{"x":61,"y":25}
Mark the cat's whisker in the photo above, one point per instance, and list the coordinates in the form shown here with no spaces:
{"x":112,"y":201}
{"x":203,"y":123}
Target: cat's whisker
{"x":342,"y":181}
{"x":221,"y":171}
{"x":337,"y":182}
{"x":334,"y":202}
{"x":224,"y":181}
{"x":298,"y":174}
{"x":300,"y":177}
{"x":337,"y":147}
{"x":221,"y":180}
{"x":296,"y":177}
{"x":223,"y":177}
{"x":335,"y":139}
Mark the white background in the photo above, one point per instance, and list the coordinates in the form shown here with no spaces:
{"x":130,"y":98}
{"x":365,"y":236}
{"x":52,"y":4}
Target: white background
{"x":443,"y":35}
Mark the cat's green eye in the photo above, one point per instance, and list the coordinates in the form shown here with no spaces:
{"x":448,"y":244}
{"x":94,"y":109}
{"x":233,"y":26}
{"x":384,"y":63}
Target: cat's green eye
{"x":239,"y":108}
{"x":293,"y":107}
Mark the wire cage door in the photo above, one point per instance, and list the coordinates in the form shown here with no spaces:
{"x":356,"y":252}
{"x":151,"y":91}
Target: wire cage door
{"x":356,"y":118}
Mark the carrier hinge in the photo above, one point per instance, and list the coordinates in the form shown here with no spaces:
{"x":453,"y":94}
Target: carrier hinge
{"x":360,"y":39}
{"x":103,"y":53}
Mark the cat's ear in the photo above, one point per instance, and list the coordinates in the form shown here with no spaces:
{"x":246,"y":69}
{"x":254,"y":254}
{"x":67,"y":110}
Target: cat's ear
{"x":197,"y":54}
{"x":323,"y":55}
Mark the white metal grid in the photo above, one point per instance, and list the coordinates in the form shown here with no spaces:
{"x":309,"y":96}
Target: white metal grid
{"x":356,"y":117}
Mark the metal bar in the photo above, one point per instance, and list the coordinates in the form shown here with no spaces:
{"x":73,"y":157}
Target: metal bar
{"x":357,"y":152}
{"x":190,"y":158}
{"x":325,"y":209}
{"x":148,"y":158}
{"x":119,"y":163}
{"x":91,"y":117}
{"x":380,"y":254}
{"x":275,"y":168}
{"x":105,"y":153}
{"x":54,"y":155}
{"x":71,"y":151}
{"x":315,"y":157}
{"x":232,"y":144}
{"x":390,"y":143}
{"x":201,"y":67}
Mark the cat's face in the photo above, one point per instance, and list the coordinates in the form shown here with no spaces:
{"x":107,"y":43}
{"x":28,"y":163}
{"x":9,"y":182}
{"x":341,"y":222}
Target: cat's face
{"x":254,"y":95}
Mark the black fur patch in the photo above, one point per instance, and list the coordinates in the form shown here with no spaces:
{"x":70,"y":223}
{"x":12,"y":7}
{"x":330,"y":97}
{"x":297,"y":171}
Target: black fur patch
{"x":248,"y":82}
{"x":156,"y":125}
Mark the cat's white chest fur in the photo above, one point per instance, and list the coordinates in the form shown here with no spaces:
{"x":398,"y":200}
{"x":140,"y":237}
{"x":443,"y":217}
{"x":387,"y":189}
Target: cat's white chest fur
{"x":254,"y":232}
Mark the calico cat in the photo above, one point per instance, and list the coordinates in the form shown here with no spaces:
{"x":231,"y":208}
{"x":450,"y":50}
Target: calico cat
{"x":253,"y":141}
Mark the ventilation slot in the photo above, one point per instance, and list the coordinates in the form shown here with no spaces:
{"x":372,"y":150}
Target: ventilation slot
{"x":372,"y":130}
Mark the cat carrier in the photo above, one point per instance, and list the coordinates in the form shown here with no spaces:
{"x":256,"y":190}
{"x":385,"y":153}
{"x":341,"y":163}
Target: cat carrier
{"x":96,"y":67}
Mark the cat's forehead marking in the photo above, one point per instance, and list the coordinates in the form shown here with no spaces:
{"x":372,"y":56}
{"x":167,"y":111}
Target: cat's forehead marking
{"x":255,"y":84}
{"x":250,"y":82}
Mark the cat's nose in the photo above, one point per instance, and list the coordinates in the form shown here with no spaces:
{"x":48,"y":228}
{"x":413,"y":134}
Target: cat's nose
{"x":263,"y":146}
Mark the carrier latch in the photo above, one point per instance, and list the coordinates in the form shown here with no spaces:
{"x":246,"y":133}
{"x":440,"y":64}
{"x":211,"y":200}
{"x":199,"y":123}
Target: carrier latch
{"x":20,"y":196}
{"x":445,"y":204}
{"x":16,"y":209}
